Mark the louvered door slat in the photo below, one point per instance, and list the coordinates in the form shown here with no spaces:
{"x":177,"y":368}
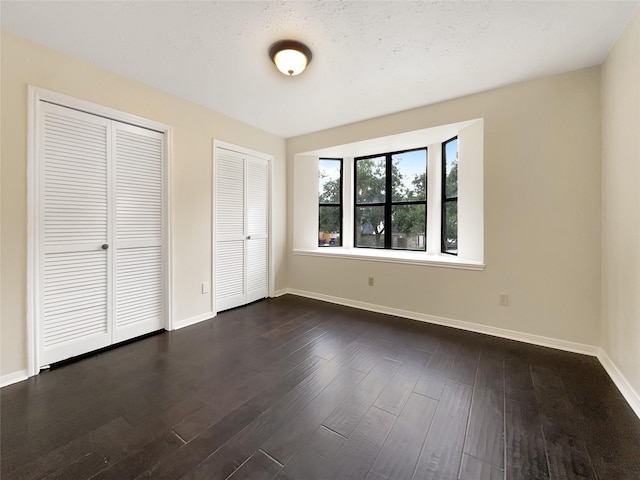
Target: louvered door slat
{"x":139,"y":275}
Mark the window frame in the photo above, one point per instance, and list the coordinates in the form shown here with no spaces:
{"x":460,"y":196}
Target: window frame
{"x":444,"y":199}
{"x":388,"y":203}
{"x":339,"y":205}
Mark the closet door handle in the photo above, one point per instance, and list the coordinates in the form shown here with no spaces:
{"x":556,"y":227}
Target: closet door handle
{"x":248,"y":237}
{"x":105,"y":246}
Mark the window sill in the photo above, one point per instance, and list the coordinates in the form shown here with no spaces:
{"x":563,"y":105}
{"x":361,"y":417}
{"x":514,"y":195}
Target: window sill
{"x":392,"y":256}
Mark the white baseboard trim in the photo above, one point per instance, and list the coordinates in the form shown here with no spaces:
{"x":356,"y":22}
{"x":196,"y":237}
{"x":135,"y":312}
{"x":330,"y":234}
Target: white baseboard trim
{"x":279,"y":293}
{"x":193,"y":320}
{"x":628,"y":392}
{"x":15,"y":377}
{"x":448,"y":322}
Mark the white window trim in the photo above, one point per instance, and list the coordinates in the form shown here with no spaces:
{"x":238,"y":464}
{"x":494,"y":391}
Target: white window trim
{"x":305,"y":192}
{"x":392,"y":256}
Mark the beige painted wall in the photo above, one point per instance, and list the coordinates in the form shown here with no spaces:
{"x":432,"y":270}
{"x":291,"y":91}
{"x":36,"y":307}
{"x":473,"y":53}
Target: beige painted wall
{"x":621,"y":204}
{"x":194,"y":128}
{"x":542,"y":214}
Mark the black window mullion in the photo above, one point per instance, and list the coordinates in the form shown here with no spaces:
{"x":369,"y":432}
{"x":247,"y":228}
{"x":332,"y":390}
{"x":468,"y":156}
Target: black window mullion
{"x":387,"y":202}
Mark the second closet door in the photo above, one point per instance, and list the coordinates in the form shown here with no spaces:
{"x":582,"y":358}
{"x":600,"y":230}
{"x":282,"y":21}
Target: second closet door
{"x":242,"y":228}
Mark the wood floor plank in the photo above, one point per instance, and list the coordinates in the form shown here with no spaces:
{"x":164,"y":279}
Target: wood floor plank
{"x":357,"y":356}
{"x":465,"y":365}
{"x":368,"y":358}
{"x":518,"y":380}
{"x":400,"y":453}
{"x":144,"y":459}
{"x":311,"y":461}
{"x":485,"y":433}
{"x":562,"y":426}
{"x":396,"y":393}
{"x":437,"y":372}
{"x":298,"y":429}
{"x":474,"y":469}
{"x":102,"y":439}
{"x":238,"y":392}
{"x":258,"y":467}
{"x":349,"y":413}
{"x":86,"y":467}
{"x":283,"y":326}
{"x":283,"y":351}
{"x":568,"y":461}
{"x":526,"y":455}
{"x":189,"y":456}
{"x":358,"y":454}
{"x":442,"y":451}
{"x":327,"y":347}
{"x":238,"y":449}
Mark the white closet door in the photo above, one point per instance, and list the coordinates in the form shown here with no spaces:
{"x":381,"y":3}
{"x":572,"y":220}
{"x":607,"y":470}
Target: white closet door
{"x":230,"y":271}
{"x":74,"y":276}
{"x":242,"y":228}
{"x":138,"y":257}
{"x":257,"y":228}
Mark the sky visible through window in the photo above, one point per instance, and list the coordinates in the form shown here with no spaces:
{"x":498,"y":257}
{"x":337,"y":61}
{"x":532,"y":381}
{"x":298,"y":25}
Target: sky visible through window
{"x":329,"y":170}
{"x":413,"y":165}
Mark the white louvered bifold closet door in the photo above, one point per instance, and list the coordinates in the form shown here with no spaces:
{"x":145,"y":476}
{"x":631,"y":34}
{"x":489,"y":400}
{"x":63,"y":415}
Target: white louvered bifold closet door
{"x":230,"y":230}
{"x":100,"y":276}
{"x":257,"y":228}
{"x":73,"y":268}
{"x":138,"y":177}
{"x":241,"y":228}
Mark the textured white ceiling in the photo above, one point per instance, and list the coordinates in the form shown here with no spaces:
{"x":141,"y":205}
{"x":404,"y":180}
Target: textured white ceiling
{"x":369,"y":58}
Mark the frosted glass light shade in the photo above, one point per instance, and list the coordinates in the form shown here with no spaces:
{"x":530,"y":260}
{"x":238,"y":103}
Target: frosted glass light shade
{"x":290,"y":57}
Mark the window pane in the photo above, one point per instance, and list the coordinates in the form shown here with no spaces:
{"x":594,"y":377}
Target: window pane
{"x":369,"y":227}
{"x":451,"y":169}
{"x":408,"y":227}
{"x":409,"y":179}
{"x":329,"y":227}
{"x":329,"y":181}
{"x":370,"y":178}
{"x":450,"y":231}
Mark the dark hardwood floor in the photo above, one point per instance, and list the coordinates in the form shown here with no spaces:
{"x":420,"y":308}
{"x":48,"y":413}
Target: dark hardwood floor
{"x":292,"y":388}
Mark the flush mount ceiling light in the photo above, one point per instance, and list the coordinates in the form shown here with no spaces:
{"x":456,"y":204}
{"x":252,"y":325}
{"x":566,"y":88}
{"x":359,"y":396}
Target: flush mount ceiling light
{"x":290,"y":57}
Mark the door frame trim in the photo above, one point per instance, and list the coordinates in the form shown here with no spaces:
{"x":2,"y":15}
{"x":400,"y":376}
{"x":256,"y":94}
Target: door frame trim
{"x":254,"y":153}
{"x":36,"y":95}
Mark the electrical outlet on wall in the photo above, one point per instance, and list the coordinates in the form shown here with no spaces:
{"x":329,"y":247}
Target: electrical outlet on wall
{"x":205,"y":287}
{"x":503,"y":299}
{"x":371,"y":282}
